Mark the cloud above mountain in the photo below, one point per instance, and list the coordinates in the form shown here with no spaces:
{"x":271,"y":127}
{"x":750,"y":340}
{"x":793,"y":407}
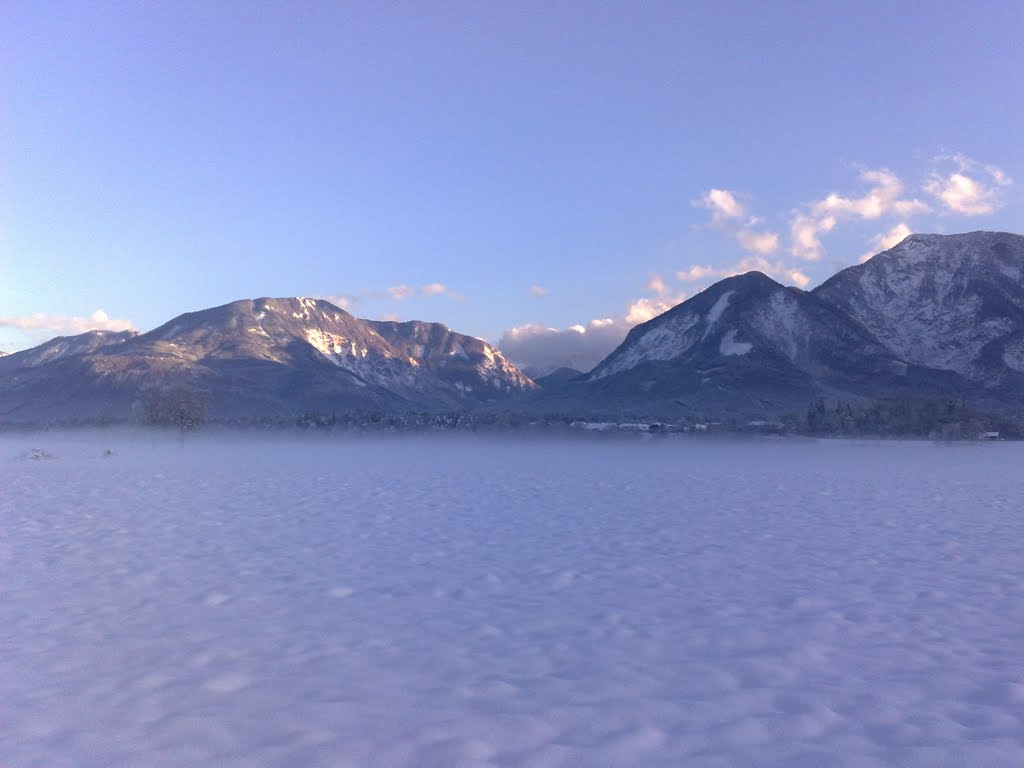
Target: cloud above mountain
{"x":540,"y":349}
{"x":730,"y":216}
{"x":779,"y":270}
{"x":882,"y":195}
{"x":42,"y":323}
{"x":965,"y":187}
{"x":953,"y":185}
{"x":886,"y":240}
{"x":722,"y":203}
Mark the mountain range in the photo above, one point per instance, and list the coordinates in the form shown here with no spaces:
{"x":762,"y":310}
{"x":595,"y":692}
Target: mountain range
{"x":937,"y":316}
{"x":263,"y":357}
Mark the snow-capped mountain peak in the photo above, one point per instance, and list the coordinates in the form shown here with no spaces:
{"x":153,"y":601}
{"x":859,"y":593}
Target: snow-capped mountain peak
{"x":704,"y":318}
{"x":951,"y":302}
{"x":749,"y":344}
{"x":267,"y":355}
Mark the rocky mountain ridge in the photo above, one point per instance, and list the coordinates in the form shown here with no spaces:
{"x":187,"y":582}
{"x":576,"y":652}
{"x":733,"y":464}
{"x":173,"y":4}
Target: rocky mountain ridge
{"x":937,"y":317}
{"x":260,"y":357}
{"x":952,"y":302}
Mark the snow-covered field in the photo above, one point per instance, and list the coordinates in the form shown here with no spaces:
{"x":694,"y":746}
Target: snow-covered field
{"x":451,"y":601}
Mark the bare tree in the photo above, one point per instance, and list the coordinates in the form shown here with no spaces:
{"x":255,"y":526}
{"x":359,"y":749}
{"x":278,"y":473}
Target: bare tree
{"x":181,"y":406}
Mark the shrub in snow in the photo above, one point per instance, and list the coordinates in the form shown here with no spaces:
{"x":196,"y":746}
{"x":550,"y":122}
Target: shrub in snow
{"x":37,"y":454}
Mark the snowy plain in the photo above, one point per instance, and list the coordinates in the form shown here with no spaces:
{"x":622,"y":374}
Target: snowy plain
{"x":257,"y":600}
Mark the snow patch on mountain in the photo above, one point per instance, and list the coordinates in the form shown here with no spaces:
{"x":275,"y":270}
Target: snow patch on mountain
{"x":69,"y":346}
{"x":306,"y":307}
{"x":783,"y":322}
{"x":333,"y":346}
{"x":716,"y":311}
{"x":664,"y":341}
{"x":1013,"y":355}
{"x":730,"y":347}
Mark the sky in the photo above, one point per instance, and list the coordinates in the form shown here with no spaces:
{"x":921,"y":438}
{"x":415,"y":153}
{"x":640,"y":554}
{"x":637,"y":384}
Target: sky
{"x":542,"y":175}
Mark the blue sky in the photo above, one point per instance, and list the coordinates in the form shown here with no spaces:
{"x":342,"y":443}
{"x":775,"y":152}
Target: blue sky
{"x":493,"y":166}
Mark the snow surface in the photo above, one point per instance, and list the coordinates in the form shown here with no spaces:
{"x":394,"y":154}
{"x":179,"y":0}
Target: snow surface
{"x":448,"y":601}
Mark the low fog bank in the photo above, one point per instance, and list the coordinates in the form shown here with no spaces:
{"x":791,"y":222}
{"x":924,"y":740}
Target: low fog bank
{"x":294,"y":447}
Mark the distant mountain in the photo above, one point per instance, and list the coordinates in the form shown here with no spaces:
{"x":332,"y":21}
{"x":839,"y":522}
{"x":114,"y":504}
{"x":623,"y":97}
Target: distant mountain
{"x":748,"y":345}
{"x":470,"y":365}
{"x":557,"y":378}
{"x":63,"y":347}
{"x":952,"y":302}
{"x":263,"y":357}
{"x":936,"y":317}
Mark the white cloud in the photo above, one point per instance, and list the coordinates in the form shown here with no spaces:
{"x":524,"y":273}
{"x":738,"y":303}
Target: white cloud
{"x":403,"y":291}
{"x":340,"y":301}
{"x":727,"y":212}
{"x":999,"y":176}
{"x":970,"y":190}
{"x":886,"y":240}
{"x":439,"y":289}
{"x":64,"y":325}
{"x":657,"y":285}
{"x":957,"y":183}
{"x":540,"y":350}
{"x":882,"y":198}
{"x":778,"y":270}
{"x":962,"y":194}
{"x":539,"y":291}
{"x":433,"y":289}
{"x":758,"y":242}
{"x":797,"y":278}
{"x":722,"y":203}
{"x":804,"y":234}
{"x":642,"y":310}
{"x":695,"y":273}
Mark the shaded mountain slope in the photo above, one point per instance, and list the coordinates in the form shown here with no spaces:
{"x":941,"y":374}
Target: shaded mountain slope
{"x":951,"y":302}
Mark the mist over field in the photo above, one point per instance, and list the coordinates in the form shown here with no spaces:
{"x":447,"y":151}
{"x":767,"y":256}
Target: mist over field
{"x":451,"y":600}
